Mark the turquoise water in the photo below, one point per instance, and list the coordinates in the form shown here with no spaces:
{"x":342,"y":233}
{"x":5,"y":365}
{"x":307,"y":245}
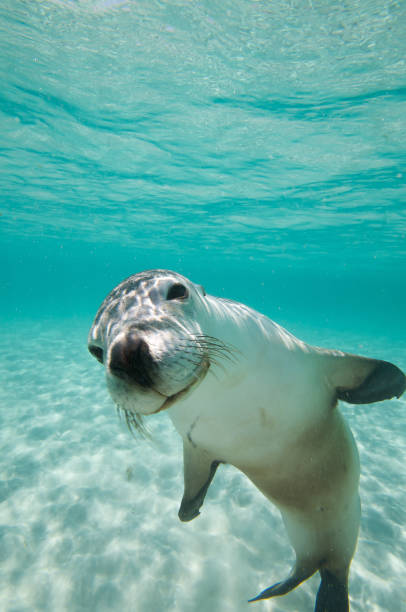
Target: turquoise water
{"x":259,"y":149}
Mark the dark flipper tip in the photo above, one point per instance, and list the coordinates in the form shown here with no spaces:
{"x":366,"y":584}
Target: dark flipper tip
{"x":281,"y":588}
{"x":384,"y":382}
{"x":267,"y":593}
{"x":188,"y":512}
{"x":332,"y":595}
{"x":190,"y":507}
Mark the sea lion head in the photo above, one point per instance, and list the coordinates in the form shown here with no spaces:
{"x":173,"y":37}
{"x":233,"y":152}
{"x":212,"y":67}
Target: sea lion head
{"x":148,"y":335}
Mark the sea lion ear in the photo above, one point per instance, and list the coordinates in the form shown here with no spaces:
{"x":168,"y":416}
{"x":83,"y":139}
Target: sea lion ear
{"x":359,"y":380}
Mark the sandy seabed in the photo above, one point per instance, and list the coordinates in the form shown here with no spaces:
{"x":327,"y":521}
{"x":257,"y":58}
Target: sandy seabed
{"x":88,"y":515}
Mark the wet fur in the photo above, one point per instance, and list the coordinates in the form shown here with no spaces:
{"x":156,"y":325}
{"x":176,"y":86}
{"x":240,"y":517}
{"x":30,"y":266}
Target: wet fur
{"x":267,"y":404}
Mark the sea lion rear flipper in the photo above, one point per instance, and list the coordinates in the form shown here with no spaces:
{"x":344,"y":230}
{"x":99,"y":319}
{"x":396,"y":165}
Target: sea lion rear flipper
{"x":359,"y":380}
{"x":332,"y":595}
{"x":297,"y":576}
{"x":199,"y":469}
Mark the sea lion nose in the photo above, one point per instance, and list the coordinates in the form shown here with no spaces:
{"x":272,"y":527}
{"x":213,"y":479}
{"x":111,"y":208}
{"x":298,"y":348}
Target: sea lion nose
{"x":130,"y":359}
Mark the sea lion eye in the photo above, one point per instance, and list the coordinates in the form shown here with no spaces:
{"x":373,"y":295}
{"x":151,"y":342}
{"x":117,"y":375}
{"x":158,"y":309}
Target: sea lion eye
{"x":177,"y":292}
{"x":96,"y":351}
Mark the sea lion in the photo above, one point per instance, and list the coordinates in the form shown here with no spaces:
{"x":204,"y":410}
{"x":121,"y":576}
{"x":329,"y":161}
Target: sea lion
{"x":242,"y":390}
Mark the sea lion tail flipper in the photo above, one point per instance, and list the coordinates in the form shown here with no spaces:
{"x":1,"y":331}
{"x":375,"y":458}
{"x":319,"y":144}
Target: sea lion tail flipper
{"x":199,"y":468}
{"x":297,"y":576}
{"x":332,"y":595}
{"x":359,"y":380}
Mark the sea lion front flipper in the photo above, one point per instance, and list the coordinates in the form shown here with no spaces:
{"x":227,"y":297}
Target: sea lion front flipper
{"x":360,"y":380}
{"x":297,"y":576}
{"x":332,"y":595}
{"x":384,"y":382}
{"x":199,"y":468}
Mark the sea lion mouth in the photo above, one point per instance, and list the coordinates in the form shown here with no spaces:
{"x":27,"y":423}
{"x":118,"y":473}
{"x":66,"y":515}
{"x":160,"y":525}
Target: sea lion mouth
{"x":136,"y":399}
{"x":172,"y":399}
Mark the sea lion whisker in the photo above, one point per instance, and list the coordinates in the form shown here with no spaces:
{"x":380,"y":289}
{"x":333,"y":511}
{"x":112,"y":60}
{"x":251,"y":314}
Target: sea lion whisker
{"x":208,"y":338}
{"x":134,"y":422}
{"x":220,"y":346}
{"x":217,"y":364}
{"x":201,"y":341}
{"x":211,"y":349}
{"x":212,"y":372}
{"x":194,"y":362}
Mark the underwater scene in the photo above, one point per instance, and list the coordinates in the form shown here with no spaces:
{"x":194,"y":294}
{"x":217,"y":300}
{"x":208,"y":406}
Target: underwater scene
{"x":257,"y":148}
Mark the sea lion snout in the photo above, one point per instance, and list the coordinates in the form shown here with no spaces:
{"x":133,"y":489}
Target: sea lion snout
{"x":148,"y":373}
{"x":131,"y":360}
